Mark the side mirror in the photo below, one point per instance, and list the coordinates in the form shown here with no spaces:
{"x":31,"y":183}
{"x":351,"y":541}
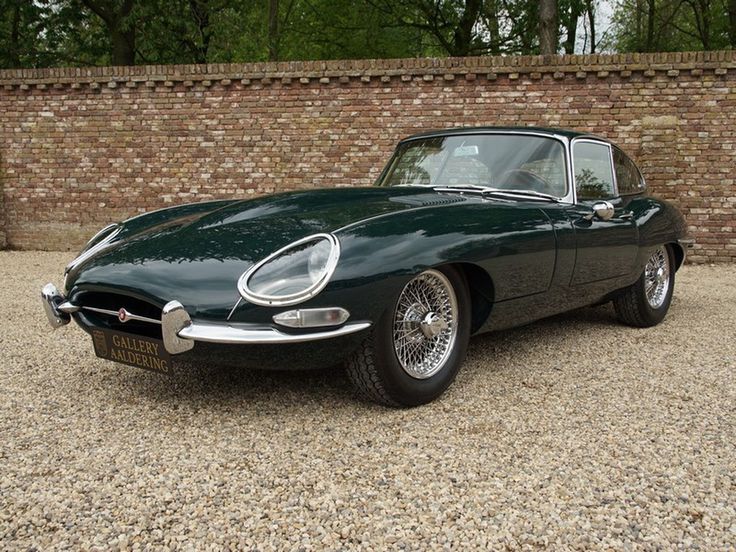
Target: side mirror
{"x":603,"y":210}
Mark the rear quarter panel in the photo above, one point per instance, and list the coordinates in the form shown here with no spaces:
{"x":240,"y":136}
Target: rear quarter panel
{"x":659,"y":223}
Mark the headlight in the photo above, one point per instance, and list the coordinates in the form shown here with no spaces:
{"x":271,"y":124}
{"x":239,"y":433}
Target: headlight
{"x":293,"y":274}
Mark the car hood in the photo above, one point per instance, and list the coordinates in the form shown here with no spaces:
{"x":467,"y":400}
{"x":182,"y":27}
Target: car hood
{"x":196,"y":255}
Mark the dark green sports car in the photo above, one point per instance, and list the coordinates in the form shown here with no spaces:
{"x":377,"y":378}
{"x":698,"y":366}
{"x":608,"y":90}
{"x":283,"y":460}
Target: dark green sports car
{"x":466,"y":231}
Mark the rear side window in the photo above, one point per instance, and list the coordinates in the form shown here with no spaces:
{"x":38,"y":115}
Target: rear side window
{"x":593,"y":173}
{"x":628,"y":177}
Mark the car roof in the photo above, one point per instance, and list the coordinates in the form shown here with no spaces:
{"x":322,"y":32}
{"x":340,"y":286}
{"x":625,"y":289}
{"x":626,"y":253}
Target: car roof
{"x":569,"y":134}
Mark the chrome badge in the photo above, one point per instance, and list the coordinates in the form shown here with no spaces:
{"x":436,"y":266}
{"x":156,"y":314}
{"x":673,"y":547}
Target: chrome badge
{"x":123,"y":315}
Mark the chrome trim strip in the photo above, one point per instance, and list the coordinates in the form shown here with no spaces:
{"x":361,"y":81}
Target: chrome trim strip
{"x":599,"y":142}
{"x":128,"y":315}
{"x":235,"y":307}
{"x":68,"y":307}
{"x":242,"y":334}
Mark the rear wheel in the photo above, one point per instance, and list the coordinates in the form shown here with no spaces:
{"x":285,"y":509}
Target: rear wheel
{"x":415,"y":351}
{"x":646,"y":302}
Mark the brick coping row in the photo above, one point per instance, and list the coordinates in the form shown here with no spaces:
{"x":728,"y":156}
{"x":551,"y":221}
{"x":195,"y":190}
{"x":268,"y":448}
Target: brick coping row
{"x":671,"y":64}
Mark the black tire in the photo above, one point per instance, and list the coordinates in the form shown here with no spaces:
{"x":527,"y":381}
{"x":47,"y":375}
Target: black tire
{"x":376,"y":371}
{"x":632,"y":305}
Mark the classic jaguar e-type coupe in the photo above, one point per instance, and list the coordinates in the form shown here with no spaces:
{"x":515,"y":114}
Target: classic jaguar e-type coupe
{"x":465,"y":231}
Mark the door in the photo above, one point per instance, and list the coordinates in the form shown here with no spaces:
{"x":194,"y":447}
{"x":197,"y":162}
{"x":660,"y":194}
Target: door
{"x":605,"y":247}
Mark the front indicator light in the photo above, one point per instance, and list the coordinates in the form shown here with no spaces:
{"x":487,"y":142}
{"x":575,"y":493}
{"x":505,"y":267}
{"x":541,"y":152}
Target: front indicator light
{"x":312,"y":318}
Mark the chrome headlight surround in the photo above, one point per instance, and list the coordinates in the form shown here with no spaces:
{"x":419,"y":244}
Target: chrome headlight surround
{"x":315,"y":285}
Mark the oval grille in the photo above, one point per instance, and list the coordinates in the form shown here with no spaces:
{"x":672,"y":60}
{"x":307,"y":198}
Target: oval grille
{"x":114,"y":303}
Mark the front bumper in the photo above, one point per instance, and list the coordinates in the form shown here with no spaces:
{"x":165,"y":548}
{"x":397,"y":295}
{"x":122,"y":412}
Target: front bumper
{"x":180,"y":332}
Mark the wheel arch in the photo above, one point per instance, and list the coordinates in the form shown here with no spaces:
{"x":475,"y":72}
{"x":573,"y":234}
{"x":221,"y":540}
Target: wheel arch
{"x":679,"y":252}
{"x":481,"y":290}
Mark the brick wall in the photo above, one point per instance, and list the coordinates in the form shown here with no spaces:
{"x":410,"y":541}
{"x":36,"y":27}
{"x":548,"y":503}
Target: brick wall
{"x":82,"y":147}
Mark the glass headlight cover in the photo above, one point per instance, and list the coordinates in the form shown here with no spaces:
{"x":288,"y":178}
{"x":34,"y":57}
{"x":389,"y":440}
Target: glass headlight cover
{"x":292,"y":274}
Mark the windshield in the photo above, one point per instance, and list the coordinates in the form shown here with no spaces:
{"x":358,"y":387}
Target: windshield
{"x":502,"y":161}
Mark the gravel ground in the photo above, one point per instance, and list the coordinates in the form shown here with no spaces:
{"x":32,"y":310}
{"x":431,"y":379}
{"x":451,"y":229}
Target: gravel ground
{"x":573,"y":432}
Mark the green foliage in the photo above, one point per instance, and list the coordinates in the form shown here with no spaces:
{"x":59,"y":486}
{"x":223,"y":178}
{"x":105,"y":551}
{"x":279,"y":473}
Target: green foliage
{"x":672,"y":25}
{"x":21,"y":25}
{"x":333,"y":29}
{"x":39,"y":33}
{"x":589,"y":186}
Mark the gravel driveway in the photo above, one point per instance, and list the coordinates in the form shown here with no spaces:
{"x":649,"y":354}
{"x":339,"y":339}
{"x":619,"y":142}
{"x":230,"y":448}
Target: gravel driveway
{"x":571,"y":432}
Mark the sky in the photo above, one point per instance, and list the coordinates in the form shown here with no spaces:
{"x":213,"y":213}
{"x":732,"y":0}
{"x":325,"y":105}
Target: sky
{"x":603,"y":20}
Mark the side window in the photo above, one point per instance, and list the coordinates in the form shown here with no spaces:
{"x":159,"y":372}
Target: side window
{"x":628,"y":176}
{"x":593,"y":173}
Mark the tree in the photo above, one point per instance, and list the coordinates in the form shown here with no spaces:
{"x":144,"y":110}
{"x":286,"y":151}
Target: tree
{"x":569,"y":13}
{"x":13,"y":51}
{"x":454,"y":24}
{"x":273,"y":30}
{"x":650,"y":25}
{"x":590,"y":11}
{"x":38,"y":33}
{"x":190,"y":26}
{"x":523,"y":18}
{"x":329,"y":29}
{"x":548,"y":31}
{"x":120,"y":27}
{"x":491,"y":19}
{"x":463,"y":35}
{"x":671,"y":25}
{"x":702,"y":18}
{"x":21,"y":29}
{"x":201,"y":11}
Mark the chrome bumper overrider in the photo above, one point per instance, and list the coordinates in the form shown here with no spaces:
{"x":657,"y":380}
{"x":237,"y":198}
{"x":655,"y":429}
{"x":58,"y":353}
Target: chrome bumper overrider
{"x":52,"y":299}
{"x":180,"y":332}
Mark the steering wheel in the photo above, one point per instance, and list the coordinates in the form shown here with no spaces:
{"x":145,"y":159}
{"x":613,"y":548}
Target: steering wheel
{"x":522,"y":179}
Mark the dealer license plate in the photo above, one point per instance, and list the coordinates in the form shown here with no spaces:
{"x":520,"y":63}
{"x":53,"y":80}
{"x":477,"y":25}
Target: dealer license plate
{"x":135,"y":350}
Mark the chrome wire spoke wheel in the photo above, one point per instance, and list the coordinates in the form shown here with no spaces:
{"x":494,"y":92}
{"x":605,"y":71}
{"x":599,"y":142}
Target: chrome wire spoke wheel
{"x":425,"y":324}
{"x":657,"y":278}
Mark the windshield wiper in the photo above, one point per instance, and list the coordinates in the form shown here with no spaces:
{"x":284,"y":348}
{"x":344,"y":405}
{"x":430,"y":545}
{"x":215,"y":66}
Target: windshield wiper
{"x":531,"y":194}
{"x":473,"y":188}
{"x":489,"y":190}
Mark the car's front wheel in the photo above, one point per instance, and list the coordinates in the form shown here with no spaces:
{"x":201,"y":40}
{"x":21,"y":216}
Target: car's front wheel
{"x":415,"y":351}
{"x":646,"y":302}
